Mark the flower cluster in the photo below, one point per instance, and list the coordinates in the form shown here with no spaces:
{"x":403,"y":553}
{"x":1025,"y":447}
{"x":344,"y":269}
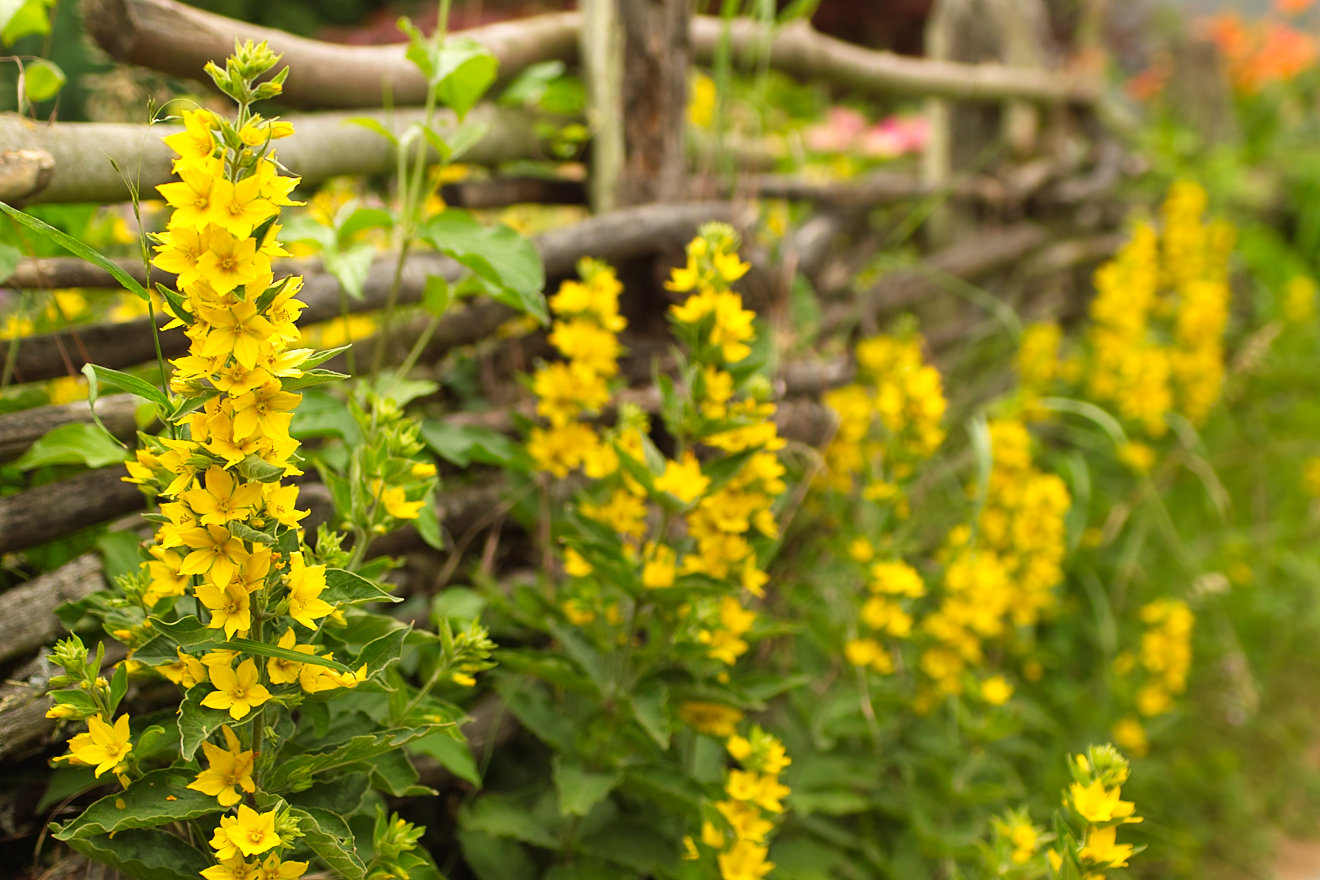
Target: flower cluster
{"x":889,"y":420}
{"x":1261,"y":53}
{"x":1094,"y":798}
{"x":1159,"y":314}
{"x":892,"y":586}
{"x":1001,"y":572}
{"x":753,"y":796}
{"x":1165,"y":657}
{"x":229,"y":537}
{"x":1016,"y":840}
{"x":585,"y":332}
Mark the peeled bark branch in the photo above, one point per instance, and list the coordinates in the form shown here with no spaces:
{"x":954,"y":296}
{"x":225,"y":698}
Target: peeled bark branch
{"x":19,"y":430}
{"x":170,"y":37}
{"x":107,"y":161}
{"x":27,"y":613}
{"x":179,"y":40}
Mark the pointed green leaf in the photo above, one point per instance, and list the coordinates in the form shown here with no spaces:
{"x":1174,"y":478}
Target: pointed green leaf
{"x":580,"y":789}
{"x":197,"y":722}
{"x":332,"y":840}
{"x":124,"y":382}
{"x":159,"y":797}
{"x":74,"y":443}
{"x":145,"y":852}
{"x":78,"y":249}
{"x":352,"y":589}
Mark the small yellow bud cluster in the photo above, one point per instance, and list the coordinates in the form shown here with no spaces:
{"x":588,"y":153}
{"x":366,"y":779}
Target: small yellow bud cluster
{"x":889,"y":420}
{"x":1171,"y":285}
{"x":1000,"y":575}
{"x":738,"y":833}
{"x":1094,"y":798}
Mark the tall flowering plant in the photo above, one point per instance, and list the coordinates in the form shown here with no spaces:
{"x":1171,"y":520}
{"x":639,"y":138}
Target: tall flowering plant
{"x":265,"y":768}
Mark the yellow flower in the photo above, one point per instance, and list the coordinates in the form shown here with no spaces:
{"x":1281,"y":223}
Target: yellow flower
{"x":233,"y":868}
{"x":230,"y":607}
{"x":684,"y":479}
{"x":575,"y":565}
{"x":250,"y":833}
{"x":658,"y":572}
{"x":236,"y":690}
{"x":1102,"y":850}
{"x":744,"y":861}
{"x":714,"y":719}
{"x":1131,"y":735}
{"x":274,"y":869}
{"x":215,"y":553}
{"x":229,"y":770}
{"x":282,"y":671}
{"x":102,"y":746}
{"x":306,"y":583}
{"x":996,"y":690}
{"x":395,"y":502}
{"x":1097,"y":805}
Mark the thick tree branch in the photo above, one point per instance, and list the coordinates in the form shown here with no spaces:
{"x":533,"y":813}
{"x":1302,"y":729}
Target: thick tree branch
{"x":106,"y":161}
{"x":168,"y":36}
{"x":177,"y":39}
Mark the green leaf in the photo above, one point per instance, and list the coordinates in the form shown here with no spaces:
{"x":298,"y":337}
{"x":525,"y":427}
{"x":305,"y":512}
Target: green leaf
{"x":428,"y":526}
{"x":145,"y":852}
{"x":505,"y":816}
{"x":125,"y":382}
{"x":263,"y":649}
{"x":437,"y":295}
{"x":393,"y":772}
{"x":142,"y":805}
{"x":300,"y":768}
{"x":197,"y":722}
{"x":257,"y":469}
{"x":580,"y":789}
{"x":311,"y":378}
{"x":351,"y":267}
{"x":321,"y":357}
{"x":78,"y":249}
{"x":362,"y":219}
{"x":373,"y":125}
{"x":464,"y":444}
{"x":23,"y":18}
{"x":641,"y":847}
{"x":650,"y":705}
{"x":249,"y":534}
{"x":118,"y":686}
{"x":75,"y":443}
{"x":467,"y":136}
{"x":382,"y":652}
{"x":42,"y":80}
{"x":495,"y":858}
{"x":352,"y":589}
{"x":342,"y":795}
{"x":509,"y":264}
{"x":464,"y":70}
{"x":531,"y":84}
{"x":452,"y":753}
{"x":332,"y":840}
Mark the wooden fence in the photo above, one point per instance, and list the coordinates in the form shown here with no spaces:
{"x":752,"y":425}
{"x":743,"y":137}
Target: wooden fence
{"x":1030,"y":228}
